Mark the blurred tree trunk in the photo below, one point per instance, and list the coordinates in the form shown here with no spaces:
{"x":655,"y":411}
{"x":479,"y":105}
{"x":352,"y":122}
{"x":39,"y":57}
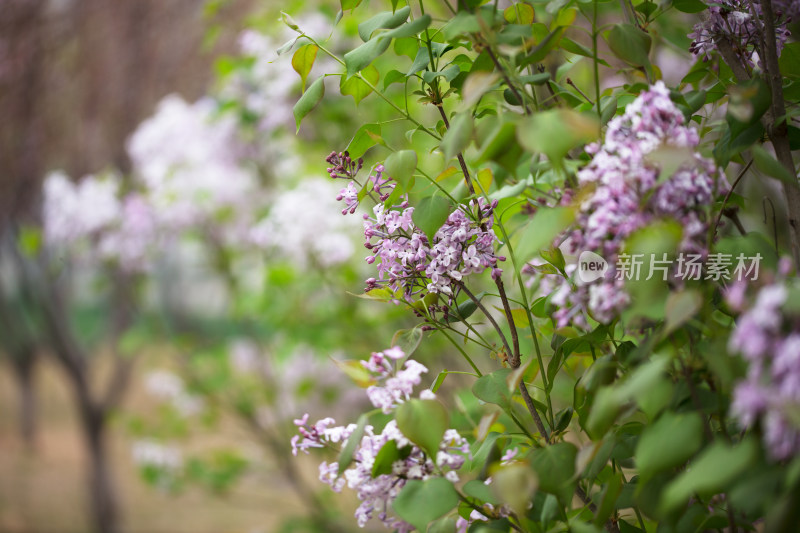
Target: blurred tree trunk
{"x":24,"y":364}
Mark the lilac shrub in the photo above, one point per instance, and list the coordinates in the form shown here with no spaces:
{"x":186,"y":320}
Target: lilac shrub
{"x":376,"y":491}
{"x":739,"y":25}
{"x":767,"y":335}
{"x":627,"y":193}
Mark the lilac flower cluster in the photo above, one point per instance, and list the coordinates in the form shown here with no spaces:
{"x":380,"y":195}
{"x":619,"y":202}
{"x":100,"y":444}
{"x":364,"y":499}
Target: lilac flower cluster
{"x":406,"y":260}
{"x":741,"y":24}
{"x":627,"y":192}
{"x":397,"y":386}
{"x":376,"y":493}
{"x":767,"y":335}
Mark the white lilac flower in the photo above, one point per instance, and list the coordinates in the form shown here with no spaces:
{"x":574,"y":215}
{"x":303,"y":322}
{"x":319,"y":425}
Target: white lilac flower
{"x":188,"y":161}
{"x":73,"y":211}
{"x":150,"y":453}
{"x":303,"y":225}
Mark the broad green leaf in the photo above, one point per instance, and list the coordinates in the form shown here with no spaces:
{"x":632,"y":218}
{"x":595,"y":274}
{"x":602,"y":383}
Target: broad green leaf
{"x":689,"y":6}
{"x":421,"y":61}
{"x":350,"y":4}
{"x":767,"y":164}
{"x":519,"y":13}
{"x":384,"y":20}
{"x":303,"y":60}
{"x":463,"y":311}
{"x":555,"y":132}
{"x":401,"y":165}
{"x":365,"y":138}
{"x":670,"y":442}
{"x":422,"y":502}
{"x":475,"y":86}
{"x":309,"y":100}
{"x":458,"y":136}
{"x":463,"y":23}
{"x":446,"y":524}
{"x":514,"y":485}
{"x":540,"y":232}
{"x":630,"y":44}
{"x":354,"y":370}
{"x":430,"y":214}
{"x":356,"y":87}
{"x":681,"y":306}
{"x":555,"y":467}
{"x":393,"y":76}
{"x":608,"y":502}
{"x":478,"y":489}
{"x":387,"y":456}
{"x":360,"y":58}
{"x":544,"y":47}
{"x":410,"y":29}
{"x":407,"y":339}
{"x":493,"y":388}
{"x":789,"y":62}
{"x":346,"y":456}
{"x":423,"y":422}
{"x":714,"y":471}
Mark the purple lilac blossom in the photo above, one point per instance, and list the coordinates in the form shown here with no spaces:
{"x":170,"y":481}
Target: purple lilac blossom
{"x":626,"y":194}
{"x":741,"y":23}
{"x":768,"y":337}
{"x":377,"y":493}
{"x":405,"y":259}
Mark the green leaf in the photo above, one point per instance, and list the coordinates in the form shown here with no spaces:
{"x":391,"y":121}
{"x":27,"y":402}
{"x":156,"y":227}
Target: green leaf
{"x":668,"y":443}
{"x":422,"y":502}
{"x":681,"y":306}
{"x":767,"y":164}
{"x":387,"y":456}
{"x":555,"y":467}
{"x":421,"y":61}
{"x":458,"y":136}
{"x":519,"y":13}
{"x":463,"y":23}
{"x":384,"y":20}
{"x":475,"y":86}
{"x":689,"y":6}
{"x":350,"y":4}
{"x":346,"y":456}
{"x":393,"y":76}
{"x":423,"y":422}
{"x":430,"y":214}
{"x":446,"y":524}
{"x":401,"y":166}
{"x":365,"y":138}
{"x":356,"y":87}
{"x":630,"y":44}
{"x":789,"y":62}
{"x":714,"y":471}
{"x":557,"y":131}
{"x":478,"y":489}
{"x":544,"y":47}
{"x":360,"y":58}
{"x":309,"y":100}
{"x":514,"y":485}
{"x":408,"y":339}
{"x":303,"y":60}
{"x":411,"y":29}
{"x":540,"y":232}
{"x":493,"y":388}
